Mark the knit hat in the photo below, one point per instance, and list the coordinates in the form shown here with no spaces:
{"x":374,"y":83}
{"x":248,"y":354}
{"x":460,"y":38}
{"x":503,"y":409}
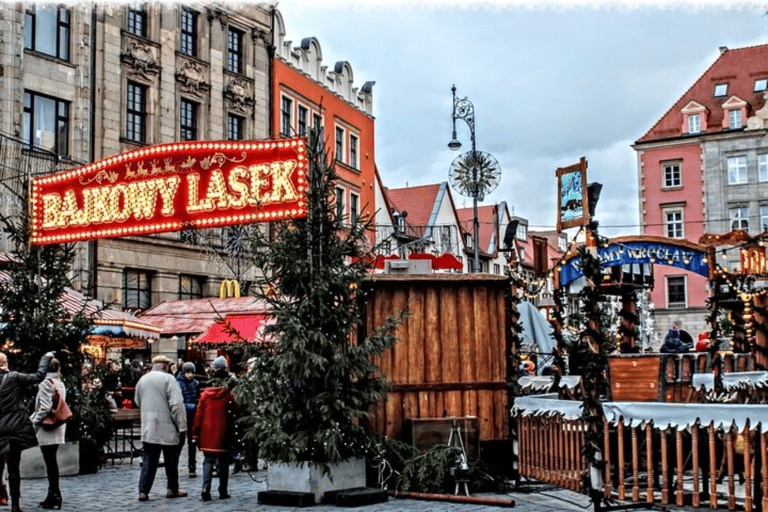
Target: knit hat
{"x":188,"y":367}
{"x":220,"y":363}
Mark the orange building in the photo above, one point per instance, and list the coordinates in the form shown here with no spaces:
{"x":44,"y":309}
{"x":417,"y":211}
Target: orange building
{"x":307,"y":94}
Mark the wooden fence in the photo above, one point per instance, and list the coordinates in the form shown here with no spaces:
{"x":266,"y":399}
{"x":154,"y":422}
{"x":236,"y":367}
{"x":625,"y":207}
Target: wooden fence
{"x":699,"y":455}
{"x":452,"y":350}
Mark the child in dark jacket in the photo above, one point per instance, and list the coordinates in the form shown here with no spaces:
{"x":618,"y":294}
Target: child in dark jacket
{"x":190,"y":390}
{"x":214,"y":430}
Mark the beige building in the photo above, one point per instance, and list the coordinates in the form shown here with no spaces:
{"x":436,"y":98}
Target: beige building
{"x":82,"y":82}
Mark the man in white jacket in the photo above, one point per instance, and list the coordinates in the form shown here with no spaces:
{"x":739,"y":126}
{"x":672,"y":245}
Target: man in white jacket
{"x":163,"y":425}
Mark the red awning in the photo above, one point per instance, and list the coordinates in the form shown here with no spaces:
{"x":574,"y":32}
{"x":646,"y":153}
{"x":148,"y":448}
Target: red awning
{"x":234,"y":329}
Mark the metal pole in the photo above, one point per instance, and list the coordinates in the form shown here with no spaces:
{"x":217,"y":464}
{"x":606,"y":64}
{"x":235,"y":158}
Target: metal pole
{"x":476,"y":265}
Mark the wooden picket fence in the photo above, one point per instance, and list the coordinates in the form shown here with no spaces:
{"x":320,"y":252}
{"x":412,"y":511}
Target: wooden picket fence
{"x":702,"y":464}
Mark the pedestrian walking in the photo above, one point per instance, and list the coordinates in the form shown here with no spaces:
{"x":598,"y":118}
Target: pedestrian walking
{"x":16,"y":430}
{"x":49,"y":440}
{"x":190,"y":390}
{"x":163,"y":423}
{"x":214,"y":429}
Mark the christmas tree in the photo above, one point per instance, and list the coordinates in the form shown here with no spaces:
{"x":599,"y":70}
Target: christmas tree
{"x":311,"y":386}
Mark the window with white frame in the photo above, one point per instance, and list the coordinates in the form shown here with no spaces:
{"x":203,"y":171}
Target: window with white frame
{"x":674,"y":224}
{"x":761,"y":84}
{"x":672,"y":176}
{"x":734,"y":119}
{"x":562,"y":244}
{"x":353,"y":141}
{"x":496,"y":268}
{"x":522,"y":231}
{"x":301,"y":128}
{"x":676,"y":296}
{"x":468,"y":240}
{"x":762,"y":167}
{"x":353,"y":207}
{"x":286,"y":110}
{"x":339,"y":144}
{"x":737,"y":170}
{"x":340,"y":202}
{"x":739,"y":217}
{"x":694,"y":123}
{"x":763,"y":219}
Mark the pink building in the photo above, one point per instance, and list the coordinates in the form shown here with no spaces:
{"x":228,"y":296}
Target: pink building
{"x":703,"y":168}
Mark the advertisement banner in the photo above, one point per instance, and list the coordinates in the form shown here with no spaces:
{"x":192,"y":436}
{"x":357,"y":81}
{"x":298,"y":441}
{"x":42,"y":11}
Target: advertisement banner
{"x":171,"y":187}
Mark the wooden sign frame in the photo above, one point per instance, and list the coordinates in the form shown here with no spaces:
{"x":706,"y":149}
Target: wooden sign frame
{"x":572,"y":196}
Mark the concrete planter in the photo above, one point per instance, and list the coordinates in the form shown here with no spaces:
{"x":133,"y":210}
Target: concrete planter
{"x":309,"y":478}
{"x":68,"y":456}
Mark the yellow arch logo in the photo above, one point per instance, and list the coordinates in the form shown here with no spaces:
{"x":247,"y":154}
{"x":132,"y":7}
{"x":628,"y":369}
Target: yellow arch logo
{"x":230,"y":288}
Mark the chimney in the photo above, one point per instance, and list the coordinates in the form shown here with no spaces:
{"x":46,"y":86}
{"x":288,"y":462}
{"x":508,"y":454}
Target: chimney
{"x":723,"y":49}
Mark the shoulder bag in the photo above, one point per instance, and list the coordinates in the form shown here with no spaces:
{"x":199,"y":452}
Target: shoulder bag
{"x":60,"y":412}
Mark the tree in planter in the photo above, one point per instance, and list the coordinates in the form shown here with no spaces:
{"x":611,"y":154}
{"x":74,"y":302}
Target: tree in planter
{"x":307,"y":394}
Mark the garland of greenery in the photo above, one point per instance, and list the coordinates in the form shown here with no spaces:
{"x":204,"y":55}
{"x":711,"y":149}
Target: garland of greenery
{"x":595,"y":359}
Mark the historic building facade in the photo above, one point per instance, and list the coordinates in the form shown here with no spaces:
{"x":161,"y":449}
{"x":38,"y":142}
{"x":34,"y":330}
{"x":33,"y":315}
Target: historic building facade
{"x":83,"y":82}
{"x":703,"y":168}
{"x":308,"y":94}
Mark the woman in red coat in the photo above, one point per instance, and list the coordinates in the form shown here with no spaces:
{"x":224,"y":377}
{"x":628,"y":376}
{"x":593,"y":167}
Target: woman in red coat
{"x":214,"y":430}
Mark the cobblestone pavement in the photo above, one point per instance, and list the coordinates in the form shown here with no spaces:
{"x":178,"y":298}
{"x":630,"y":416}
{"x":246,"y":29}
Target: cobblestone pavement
{"x":114,"y":488}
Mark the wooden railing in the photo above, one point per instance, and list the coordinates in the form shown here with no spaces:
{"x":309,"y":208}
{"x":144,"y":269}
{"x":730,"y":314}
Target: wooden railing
{"x":699,"y":455}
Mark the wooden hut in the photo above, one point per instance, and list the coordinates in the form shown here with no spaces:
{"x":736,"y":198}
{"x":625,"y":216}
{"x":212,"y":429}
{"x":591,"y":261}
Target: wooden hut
{"x":452,"y":353}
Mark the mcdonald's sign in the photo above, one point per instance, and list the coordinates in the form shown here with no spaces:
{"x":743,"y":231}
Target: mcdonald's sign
{"x":229,"y":289}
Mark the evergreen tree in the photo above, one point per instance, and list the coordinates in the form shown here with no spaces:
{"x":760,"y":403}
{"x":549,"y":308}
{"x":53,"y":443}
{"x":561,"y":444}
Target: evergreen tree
{"x":309,"y":391}
{"x":34,"y":320}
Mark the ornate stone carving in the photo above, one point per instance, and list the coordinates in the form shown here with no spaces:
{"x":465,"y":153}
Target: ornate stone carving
{"x":760,"y":119}
{"x":239,"y":96}
{"x":192,"y":77}
{"x":218,"y":14}
{"x":140,"y":56}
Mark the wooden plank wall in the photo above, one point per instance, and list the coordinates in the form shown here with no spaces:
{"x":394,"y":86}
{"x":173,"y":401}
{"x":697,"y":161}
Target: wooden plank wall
{"x":451,"y":357}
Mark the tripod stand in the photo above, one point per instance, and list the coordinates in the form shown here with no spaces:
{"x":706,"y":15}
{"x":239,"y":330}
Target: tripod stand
{"x":460,"y":472}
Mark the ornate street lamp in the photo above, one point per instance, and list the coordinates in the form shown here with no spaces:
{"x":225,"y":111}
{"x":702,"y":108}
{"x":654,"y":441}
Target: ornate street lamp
{"x":472,"y":174}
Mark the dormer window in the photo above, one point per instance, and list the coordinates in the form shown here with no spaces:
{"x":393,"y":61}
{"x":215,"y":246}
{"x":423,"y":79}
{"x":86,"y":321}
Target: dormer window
{"x":734,"y":119}
{"x":761,"y":84}
{"x":694,"y":123}
{"x":468,"y":240}
{"x":694,"y":117}
{"x":721,"y":90}
{"x":522,"y":232}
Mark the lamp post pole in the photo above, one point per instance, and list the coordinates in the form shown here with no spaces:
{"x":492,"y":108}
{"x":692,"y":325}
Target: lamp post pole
{"x":464,"y":109}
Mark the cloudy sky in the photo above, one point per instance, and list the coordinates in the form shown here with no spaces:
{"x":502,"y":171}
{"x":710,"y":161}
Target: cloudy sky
{"x":549,"y":85}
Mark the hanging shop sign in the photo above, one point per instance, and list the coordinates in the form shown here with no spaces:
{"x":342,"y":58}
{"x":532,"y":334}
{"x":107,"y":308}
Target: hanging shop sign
{"x":628,"y":252}
{"x":753,"y":260}
{"x":170,"y":187}
{"x":572,"y":207}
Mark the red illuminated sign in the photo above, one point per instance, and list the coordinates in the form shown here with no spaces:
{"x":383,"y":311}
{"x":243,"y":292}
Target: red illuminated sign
{"x":753,"y":260}
{"x":170,"y":187}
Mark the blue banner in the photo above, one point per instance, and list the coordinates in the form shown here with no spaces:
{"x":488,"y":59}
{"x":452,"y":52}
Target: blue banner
{"x":640,"y":252}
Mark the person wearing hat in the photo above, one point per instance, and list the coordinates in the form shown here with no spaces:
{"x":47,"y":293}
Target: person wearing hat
{"x":214,"y":429}
{"x":163,"y":425}
{"x":190,"y":390}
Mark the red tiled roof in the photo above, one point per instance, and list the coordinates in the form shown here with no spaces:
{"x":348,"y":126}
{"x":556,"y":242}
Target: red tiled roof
{"x":197,"y":315}
{"x":739,"y":68}
{"x":417,"y":201}
{"x":486,"y":216}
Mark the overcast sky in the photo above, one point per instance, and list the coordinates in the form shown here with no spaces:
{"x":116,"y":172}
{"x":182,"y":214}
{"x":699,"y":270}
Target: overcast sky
{"x":549,"y":85}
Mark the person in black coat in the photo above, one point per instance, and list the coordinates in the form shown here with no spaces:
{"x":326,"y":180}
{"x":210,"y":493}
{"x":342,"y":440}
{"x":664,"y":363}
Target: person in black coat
{"x":16,"y":431}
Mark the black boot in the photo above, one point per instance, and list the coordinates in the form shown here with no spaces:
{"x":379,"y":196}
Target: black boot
{"x":53,"y":500}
